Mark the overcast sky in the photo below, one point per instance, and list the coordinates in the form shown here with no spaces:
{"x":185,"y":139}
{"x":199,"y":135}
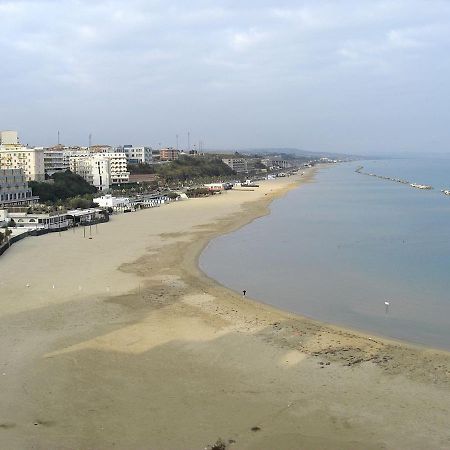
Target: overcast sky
{"x":347,"y":76}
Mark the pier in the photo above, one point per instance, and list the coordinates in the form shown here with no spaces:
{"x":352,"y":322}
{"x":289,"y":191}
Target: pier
{"x":398,"y":180}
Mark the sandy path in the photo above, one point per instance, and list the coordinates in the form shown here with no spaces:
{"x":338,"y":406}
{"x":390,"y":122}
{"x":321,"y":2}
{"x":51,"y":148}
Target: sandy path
{"x":120,"y":342}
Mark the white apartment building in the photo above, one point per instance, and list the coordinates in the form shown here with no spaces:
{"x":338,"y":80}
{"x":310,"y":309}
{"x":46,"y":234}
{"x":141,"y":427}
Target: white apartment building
{"x":9,"y":138}
{"x":100,"y":169}
{"x":30,"y":160}
{"x":137,"y":155}
{"x":14,"y":190}
{"x":118,"y":161}
{"x":95,"y":170}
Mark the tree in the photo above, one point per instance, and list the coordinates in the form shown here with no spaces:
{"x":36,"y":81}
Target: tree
{"x":80,"y":202}
{"x":4,"y":236}
{"x":65,"y":185}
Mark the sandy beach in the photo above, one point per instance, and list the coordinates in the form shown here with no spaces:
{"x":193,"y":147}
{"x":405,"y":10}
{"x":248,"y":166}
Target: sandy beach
{"x":120,"y":342}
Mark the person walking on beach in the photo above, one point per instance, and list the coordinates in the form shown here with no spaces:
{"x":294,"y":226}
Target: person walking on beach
{"x":244,"y":292}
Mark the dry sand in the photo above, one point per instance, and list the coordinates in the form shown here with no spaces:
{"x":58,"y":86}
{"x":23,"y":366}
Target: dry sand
{"x":119,"y":342}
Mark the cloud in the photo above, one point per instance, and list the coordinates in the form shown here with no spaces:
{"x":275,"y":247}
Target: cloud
{"x":244,"y":40}
{"x":173,"y":63}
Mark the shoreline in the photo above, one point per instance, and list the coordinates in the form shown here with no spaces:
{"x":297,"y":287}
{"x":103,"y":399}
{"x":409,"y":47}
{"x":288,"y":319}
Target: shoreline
{"x":263,"y":210}
{"x":133,"y":346}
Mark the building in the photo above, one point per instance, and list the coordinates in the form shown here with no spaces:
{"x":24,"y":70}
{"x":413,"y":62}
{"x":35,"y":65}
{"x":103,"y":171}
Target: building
{"x":100,"y":169}
{"x":100,"y":149}
{"x":214,"y":187}
{"x":137,"y":155}
{"x":87,"y":216}
{"x":95,"y":170}
{"x":30,"y":160}
{"x":168,"y":154}
{"x":118,"y":164}
{"x":144,"y":178}
{"x":277,"y":163}
{"x":240,"y":165}
{"x":149,"y":201}
{"x":9,"y":138}
{"x":57,"y":159}
{"x":14,"y":190}
{"x":115,"y":203}
{"x":57,"y":220}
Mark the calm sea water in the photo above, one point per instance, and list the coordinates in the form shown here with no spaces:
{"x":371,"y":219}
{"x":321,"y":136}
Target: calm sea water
{"x":338,"y":248}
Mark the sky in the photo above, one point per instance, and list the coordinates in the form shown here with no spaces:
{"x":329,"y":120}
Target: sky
{"x":350,"y":76}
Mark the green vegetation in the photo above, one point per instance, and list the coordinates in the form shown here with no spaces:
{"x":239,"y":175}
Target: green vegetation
{"x":186,"y":168}
{"x":198,"y":192}
{"x":172,"y":195}
{"x":66,"y":185}
{"x":4,"y":235}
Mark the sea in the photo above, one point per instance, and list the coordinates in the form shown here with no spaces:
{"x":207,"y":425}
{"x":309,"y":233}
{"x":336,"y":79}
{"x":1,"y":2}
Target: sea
{"x":352,"y":250}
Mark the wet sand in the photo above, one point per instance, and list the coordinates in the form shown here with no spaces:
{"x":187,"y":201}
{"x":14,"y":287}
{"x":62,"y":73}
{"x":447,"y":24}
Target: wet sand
{"x":120,"y":342}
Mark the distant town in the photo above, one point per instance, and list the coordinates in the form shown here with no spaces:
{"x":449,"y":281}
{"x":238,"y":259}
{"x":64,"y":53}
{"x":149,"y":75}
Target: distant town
{"x":51,"y":189}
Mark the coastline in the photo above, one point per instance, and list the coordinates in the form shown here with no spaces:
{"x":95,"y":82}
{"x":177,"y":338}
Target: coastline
{"x":165,"y":346}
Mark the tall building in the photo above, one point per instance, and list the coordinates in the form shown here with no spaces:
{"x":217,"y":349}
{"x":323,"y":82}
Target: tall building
{"x":137,"y":155}
{"x":95,"y":171}
{"x":14,"y":189}
{"x":9,"y":138}
{"x":56,"y":159}
{"x":119,"y":172}
{"x":100,"y":169}
{"x":30,"y":160}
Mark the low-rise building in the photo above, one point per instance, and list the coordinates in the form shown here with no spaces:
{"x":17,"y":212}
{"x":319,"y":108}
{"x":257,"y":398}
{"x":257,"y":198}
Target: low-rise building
{"x":168,"y":154}
{"x":53,"y":221}
{"x":144,"y":178}
{"x":240,"y":165}
{"x":87,"y":216}
{"x":149,"y":201}
{"x":218,"y":186}
{"x":115,"y":203}
{"x":277,"y":163}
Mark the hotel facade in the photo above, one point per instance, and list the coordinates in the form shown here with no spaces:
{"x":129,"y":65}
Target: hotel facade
{"x":14,"y":189}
